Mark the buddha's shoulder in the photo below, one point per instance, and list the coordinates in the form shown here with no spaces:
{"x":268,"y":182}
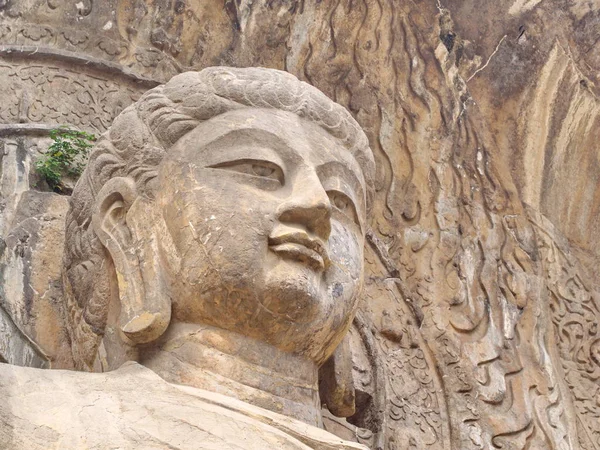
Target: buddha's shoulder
{"x":133,"y":407}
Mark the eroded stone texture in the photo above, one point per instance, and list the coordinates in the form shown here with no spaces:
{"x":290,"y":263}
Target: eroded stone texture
{"x":30,"y":271}
{"x":132,"y":407}
{"x":478,"y":320}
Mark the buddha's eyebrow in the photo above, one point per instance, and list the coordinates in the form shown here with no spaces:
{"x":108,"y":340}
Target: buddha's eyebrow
{"x":255,"y":137}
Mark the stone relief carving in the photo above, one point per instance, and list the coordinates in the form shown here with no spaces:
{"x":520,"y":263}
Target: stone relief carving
{"x":41,"y":93}
{"x":575,"y":307}
{"x":462,"y":286}
{"x":216,"y":238}
{"x":151,"y":62}
{"x":413,"y":412}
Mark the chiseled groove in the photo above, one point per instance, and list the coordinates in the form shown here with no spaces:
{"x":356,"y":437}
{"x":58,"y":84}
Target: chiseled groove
{"x":379,"y":19}
{"x":389,"y":173}
{"x":356,"y":47}
{"x":332,"y":30}
{"x":414,"y":76}
{"x":512,"y":434}
{"x":433,"y":96}
{"x":306,"y":63}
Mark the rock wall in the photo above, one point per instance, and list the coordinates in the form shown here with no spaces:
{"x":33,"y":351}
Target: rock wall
{"x":479,"y":326}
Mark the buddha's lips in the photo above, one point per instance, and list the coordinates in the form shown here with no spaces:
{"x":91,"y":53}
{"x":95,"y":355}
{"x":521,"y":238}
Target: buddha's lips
{"x":300,"y":246}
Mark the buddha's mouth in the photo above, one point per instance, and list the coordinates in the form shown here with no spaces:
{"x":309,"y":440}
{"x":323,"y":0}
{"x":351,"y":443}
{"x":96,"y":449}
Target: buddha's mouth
{"x":300,"y":247}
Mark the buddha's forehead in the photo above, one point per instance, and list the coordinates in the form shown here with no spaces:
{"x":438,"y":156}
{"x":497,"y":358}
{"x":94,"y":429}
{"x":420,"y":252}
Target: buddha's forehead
{"x":294,"y":137}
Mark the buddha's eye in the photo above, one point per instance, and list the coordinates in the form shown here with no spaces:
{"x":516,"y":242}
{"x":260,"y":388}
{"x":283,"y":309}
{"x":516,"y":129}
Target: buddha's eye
{"x":263,"y":170}
{"x":343,"y":204}
{"x":264,"y":173}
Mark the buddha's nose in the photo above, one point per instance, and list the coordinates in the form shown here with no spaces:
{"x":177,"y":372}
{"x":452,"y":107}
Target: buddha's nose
{"x":308,"y":206}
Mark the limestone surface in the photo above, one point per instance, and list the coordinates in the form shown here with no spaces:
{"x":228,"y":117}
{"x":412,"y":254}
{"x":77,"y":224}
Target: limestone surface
{"x":132,"y":407}
{"x":477,"y":323}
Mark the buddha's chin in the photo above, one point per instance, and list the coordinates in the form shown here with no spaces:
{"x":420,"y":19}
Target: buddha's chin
{"x":295,"y":293}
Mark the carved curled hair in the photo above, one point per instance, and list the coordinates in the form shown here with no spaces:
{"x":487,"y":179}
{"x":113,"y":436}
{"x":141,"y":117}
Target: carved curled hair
{"x":135,"y":145}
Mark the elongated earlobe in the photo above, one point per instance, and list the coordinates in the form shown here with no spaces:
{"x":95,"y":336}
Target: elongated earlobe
{"x":336,"y":386}
{"x":123,"y":222}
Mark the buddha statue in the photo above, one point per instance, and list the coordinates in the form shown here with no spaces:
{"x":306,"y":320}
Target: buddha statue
{"x":213,"y":263}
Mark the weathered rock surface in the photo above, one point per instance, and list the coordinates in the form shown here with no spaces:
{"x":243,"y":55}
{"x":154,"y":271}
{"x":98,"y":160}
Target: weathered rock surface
{"x":132,"y":407}
{"x":479,"y":323}
{"x":30,"y":271}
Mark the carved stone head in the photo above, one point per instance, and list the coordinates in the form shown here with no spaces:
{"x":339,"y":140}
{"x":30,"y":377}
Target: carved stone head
{"x":235,"y":198}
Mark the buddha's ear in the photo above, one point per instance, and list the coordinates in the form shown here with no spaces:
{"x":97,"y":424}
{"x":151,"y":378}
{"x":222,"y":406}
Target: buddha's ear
{"x":336,"y":386}
{"x":123,"y":223}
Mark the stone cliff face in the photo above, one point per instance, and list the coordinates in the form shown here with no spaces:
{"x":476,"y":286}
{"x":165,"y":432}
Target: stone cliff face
{"x":479,"y":325}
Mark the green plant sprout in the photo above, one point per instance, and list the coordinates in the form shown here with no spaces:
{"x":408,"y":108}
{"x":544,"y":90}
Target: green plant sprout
{"x":66,"y":155}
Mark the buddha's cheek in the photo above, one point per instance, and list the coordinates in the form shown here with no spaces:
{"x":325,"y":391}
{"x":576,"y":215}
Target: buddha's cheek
{"x":344,"y":279}
{"x":221,"y":248}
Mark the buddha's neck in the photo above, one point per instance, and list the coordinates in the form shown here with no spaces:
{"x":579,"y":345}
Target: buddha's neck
{"x":230,"y":364}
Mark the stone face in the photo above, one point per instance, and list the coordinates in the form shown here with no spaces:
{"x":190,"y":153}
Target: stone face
{"x":216,"y":237}
{"x":477,"y":323}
